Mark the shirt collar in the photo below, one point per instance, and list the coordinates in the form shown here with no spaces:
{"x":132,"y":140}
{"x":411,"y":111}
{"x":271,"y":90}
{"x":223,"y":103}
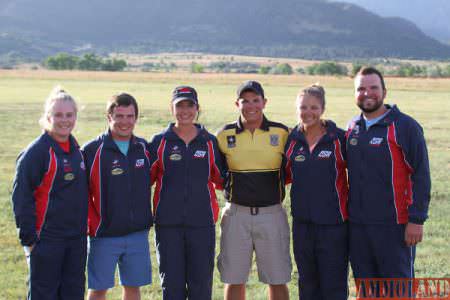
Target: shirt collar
{"x":240,"y":126}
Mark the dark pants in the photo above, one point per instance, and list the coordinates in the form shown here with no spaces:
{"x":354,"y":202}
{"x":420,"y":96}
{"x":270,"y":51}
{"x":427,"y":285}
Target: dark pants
{"x":186,"y":261}
{"x":57,"y":270}
{"x":321,"y":255}
{"x":379,"y":251}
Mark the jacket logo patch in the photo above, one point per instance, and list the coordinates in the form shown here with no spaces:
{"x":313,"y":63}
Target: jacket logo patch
{"x":69,"y":176}
{"x":324,"y":154}
{"x":116,"y":171}
{"x":199,"y":154}
{"x":300,"y":158}
{"x":376,"y":141}
{"x":139,"y":163}
{"x":353,"y":141}
{"x":175,"y":157}
{"x":67,"y":166}
{"x":231,"y":141}
{"x":274,"y":139}
{"x":356,"y":130}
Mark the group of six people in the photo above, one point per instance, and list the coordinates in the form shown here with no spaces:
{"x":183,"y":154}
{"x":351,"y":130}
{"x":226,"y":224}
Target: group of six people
{"x":360,"y":195}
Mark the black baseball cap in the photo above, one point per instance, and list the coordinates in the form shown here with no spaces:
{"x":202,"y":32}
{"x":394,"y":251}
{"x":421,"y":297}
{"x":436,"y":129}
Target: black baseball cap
{"x":184,"y":92}
{"x":252,"y":86}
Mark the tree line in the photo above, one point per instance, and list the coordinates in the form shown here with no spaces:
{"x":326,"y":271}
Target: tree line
{"x":89,"y":61}
{"x":93,"y":62}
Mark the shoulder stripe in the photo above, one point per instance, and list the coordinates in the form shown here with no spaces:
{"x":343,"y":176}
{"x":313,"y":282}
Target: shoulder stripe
{"x":277,"y":125}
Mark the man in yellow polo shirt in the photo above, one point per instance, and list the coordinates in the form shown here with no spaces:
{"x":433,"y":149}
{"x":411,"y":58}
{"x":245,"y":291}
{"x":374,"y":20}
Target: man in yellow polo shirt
{"x":253,"y":219}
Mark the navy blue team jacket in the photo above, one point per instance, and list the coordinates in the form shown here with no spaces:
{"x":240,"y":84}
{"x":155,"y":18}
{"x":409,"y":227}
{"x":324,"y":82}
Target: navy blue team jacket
{"x":388,"y":169}
{"x":119,"y":187}
{"x":50,"y":192}
{"x":185,"y":177}
{"x":319,"y":187}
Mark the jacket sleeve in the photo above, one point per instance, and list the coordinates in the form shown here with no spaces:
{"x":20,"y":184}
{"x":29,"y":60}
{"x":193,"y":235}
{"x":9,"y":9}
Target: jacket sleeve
{"x":413,"y":144}
{"x":287,"y":163}
{"x":30,"y":169}
{"x":155,"y":163}
{"x":217,"y":170}
{"x":343,"y":141}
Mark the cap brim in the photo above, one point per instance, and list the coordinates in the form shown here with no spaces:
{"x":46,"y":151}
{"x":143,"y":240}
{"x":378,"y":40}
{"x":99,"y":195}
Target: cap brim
{"x":179,"y":99}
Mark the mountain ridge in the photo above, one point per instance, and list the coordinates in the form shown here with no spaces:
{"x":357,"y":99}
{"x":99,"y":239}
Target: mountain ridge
{"x":291,"y":28}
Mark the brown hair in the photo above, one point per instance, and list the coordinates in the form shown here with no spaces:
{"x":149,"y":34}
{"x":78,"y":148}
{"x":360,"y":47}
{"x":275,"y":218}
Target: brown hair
{"x":122,"y":99}
{"x":315,"y":90}
{"x":369,"y":71}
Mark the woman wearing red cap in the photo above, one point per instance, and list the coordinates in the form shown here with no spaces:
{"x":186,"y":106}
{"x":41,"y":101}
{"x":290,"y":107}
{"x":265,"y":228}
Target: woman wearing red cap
{"x":185,"y":207}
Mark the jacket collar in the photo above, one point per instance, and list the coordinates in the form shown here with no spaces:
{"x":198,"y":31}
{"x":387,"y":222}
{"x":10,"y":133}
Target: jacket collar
{"x":110,"y":144}
{"x":55,"y":145}
{"x":169,"y":133}
{"x":390,"y":117}
{"x":330,"y":127}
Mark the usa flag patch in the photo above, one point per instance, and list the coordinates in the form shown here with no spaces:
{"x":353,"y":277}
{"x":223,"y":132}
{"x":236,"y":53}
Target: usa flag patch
{"x":199,"y":154}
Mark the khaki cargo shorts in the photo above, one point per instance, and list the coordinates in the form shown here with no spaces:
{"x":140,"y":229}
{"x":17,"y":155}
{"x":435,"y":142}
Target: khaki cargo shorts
{"x":264,"y":231}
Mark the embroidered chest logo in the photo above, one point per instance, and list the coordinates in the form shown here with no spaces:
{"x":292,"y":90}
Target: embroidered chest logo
{"x":376,"y":141}
{"x":324,"y":154}
{"x":300,"y":158}
{"x":274,"y":139}
{"x":199,"y":154}
{"x":68,"y":175}
{"x":354,"y":136}
{"x":300,"y":155}
{"x":175,"y":154}
{"x":231,"y":141}
{"x":140,"y":163}
{"x":116,"y":169}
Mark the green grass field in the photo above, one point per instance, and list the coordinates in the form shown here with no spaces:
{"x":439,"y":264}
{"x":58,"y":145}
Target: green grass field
{"x":21,"y":103}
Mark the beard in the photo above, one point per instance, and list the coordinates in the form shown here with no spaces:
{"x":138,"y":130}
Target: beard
{"x":370,"y":108}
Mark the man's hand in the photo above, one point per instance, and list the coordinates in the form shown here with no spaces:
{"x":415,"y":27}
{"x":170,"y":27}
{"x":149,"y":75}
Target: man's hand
{"x":413,"y":234}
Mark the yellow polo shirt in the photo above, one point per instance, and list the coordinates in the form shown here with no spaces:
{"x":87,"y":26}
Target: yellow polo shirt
{"x":254,"y":163}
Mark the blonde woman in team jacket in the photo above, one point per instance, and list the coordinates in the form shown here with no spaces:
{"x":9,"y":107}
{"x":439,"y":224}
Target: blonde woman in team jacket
{"x":315,"y":154}
{"x":50,"y":200}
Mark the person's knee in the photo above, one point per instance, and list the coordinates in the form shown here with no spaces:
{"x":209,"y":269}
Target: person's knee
{"x":97,"y":294}
{"x":131,"y":293}
{"x":234,"y":291}
{"x":278,"y":292}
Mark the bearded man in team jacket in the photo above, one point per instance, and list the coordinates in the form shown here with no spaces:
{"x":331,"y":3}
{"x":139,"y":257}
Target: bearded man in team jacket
{"x":389,"y":180}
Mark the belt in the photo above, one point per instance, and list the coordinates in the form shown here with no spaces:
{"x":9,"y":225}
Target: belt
{"x":254,"y":210}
